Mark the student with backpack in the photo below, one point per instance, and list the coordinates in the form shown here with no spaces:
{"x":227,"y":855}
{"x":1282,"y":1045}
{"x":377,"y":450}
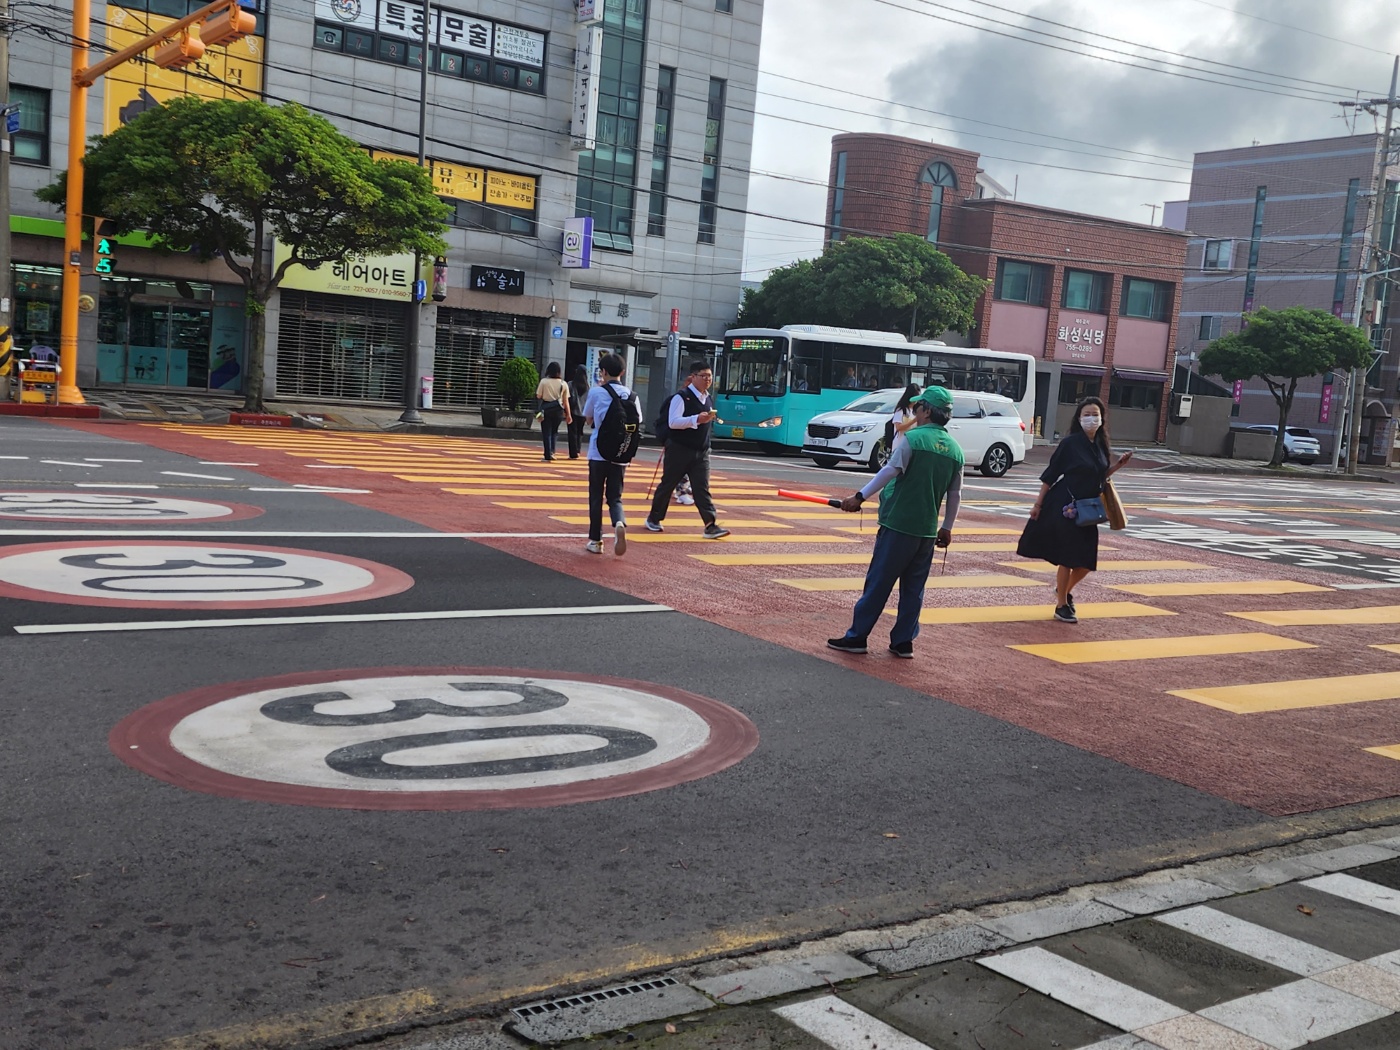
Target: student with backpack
{"x":684,"y":430}
{"x":611,"y":410}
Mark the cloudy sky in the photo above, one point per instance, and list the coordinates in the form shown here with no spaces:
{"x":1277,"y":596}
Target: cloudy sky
{"x":1060,"y":99}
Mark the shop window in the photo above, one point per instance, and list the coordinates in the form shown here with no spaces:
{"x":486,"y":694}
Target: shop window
{"x":500,"y":220}
{"x":1022,"y":282}
{"x":1149,"y":300}
{"x":1085,"y":291}
{"x":1135,"y":395}
{"x":30,"y":144}
{"x":1074,"y":389}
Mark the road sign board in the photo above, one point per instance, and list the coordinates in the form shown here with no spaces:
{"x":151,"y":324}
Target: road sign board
{"x":436,"y":738}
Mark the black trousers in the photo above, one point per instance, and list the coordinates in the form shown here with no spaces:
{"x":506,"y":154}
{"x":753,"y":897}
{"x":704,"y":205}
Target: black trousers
{"x":604,"y":481}
{"x":576,"y":434}
{"x":677,"y":462}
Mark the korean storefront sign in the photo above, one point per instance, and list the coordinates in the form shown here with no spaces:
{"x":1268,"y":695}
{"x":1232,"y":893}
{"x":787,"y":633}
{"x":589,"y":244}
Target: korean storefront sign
{"x":1080,"y":338}
{"x":578,"y":243}
{"x":588,"y":68}
{"x":370,"y":276}
{"x":465,"y":183}
{"x":455,"y":30}
{"x":494,"y":279}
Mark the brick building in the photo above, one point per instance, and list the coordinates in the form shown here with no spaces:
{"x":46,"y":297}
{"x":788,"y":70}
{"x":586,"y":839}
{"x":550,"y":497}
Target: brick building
{"x":1287,"y":225}
{"x":1094,"y":300}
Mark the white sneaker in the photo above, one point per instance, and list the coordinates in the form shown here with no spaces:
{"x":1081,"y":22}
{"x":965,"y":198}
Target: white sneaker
{"x":686,"y":501}
{"x":620,"y":538}
{"x":594,"y":547}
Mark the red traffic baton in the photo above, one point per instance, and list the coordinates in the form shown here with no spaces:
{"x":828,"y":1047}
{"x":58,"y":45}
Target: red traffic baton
{"x":810,"y":498}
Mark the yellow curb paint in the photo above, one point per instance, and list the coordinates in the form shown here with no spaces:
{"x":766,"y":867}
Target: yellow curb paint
{"x":639,"y":534}
{"x":1030,"y":613}
{"x":1371,"y":614}
{"x":944,"y":583}
{"x":673,"y":524}
{"x":783,"y":559}
{"x":1389,"y":751}
{"x":1240,"y":587}
{"x":1390,"y":647}
{"x":1300,"y":693}
{"x":1111,"y":565}
{"x":1161,"y":648}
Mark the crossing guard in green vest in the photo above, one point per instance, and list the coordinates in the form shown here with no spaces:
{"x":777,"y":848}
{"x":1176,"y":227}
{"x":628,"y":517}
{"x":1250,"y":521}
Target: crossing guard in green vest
{"x":924,"y":473}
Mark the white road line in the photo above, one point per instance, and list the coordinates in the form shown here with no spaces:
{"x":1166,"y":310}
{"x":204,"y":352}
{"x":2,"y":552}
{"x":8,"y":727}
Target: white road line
{"x":220,"y":463}
{"x":283,"y":621}
{"x":110,"y":485}
{"x":1349,"y":887}
{"x":14,"y":457}
{"x":95,"y":459}
{"x":222,"y":534}
{"x":311,"y":489}
{"x":840,"y":1025}
{"x":1295,"y":1014}
{"x":1258,"y":942}
{"x":330,"y":466}
{"x":207,"y":477}
{"x":69,"y":463}
{"x":1089,"y":991}
{"x":1365,"y":586}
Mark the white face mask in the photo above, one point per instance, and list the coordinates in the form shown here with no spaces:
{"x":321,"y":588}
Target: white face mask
{"x":1090,"y":423}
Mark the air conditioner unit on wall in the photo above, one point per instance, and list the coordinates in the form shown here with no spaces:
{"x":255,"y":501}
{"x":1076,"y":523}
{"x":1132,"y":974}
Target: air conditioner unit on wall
{"x":1182,"y":407}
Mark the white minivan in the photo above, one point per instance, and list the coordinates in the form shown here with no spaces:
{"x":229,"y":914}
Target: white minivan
{"x":986,"y":426}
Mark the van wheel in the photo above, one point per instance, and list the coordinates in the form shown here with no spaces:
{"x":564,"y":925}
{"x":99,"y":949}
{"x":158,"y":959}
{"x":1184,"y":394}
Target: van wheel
{"x":772,"y":448}
{"x":996,"y":462}
{"x":826,"y":461}
{"x":879,"y":455}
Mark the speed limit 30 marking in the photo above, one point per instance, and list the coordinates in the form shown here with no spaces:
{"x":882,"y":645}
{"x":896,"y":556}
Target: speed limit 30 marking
{"x":161,"y":574}
{"x":114,"y":506}
{"x":433,"y":738}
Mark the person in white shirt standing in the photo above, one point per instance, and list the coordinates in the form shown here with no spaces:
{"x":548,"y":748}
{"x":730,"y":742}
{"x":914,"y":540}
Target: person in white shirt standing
{"x":686,"y":453}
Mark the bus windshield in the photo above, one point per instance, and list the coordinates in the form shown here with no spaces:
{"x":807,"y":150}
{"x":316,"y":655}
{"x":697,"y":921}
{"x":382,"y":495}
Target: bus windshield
{"x":754,"y":365}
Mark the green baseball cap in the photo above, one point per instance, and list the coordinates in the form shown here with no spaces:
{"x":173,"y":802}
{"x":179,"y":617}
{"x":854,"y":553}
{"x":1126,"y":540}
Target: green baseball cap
{"x":934,"y":397}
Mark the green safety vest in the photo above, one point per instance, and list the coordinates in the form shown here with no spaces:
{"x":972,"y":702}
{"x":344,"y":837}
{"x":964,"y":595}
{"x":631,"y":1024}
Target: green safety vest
{"x":910,"y":503}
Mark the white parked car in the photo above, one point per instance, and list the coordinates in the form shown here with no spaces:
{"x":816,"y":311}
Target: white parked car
{"x":1298,"y":442}
{"x":986,"y":426}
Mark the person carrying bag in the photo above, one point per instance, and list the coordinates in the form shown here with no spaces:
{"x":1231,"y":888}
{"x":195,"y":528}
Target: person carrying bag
{"x":1063,"y":525}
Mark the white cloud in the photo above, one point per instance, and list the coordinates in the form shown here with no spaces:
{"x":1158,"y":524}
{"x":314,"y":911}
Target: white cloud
{"x":882,"y":65}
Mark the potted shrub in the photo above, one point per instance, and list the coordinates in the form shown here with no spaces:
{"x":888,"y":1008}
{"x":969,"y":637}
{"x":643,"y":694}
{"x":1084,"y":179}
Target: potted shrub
{"x":516,"y":382}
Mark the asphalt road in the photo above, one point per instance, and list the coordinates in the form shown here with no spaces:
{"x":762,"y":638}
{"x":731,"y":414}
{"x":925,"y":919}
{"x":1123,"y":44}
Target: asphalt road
{"x":149,"y":900}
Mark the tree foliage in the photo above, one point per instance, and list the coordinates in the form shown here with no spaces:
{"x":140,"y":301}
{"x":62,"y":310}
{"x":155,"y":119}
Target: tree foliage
{"x":219,"y":177}
{"x":892,"y":284}
{"x":1283,"y":346}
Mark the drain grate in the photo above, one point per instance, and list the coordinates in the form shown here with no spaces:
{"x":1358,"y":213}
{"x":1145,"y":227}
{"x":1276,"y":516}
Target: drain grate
{"x":536,"y":1010}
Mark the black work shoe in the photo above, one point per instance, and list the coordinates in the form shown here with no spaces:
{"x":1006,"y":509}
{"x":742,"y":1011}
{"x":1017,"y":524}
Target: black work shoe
{"x":1069,"y":600}
{"x":847,"y":645}
{"x":715,"y":532}
{"x":903,"y":650}
{"x":1065,"y":613}
{"x":654,"y":526}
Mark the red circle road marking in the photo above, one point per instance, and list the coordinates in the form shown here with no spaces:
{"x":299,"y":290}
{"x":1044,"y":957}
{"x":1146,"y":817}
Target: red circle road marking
{"x":384,"y":580}
{"x":142,"y":740}
{"x":232,"y":511}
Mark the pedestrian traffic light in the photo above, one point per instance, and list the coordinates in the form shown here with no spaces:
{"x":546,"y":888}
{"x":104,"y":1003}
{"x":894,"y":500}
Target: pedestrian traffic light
{"x":103,"y":261}
{"x":228,"y":26}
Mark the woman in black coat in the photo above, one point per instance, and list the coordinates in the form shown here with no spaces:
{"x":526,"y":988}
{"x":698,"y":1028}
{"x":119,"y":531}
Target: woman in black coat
{"x":578,"y":394}
{"x":1079,"y":467}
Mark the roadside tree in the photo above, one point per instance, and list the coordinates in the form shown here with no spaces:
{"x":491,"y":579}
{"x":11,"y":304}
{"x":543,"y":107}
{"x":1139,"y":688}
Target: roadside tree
{"x":890,"y":284}
{"x":219,"y":178}
{"x":1281,"y":347}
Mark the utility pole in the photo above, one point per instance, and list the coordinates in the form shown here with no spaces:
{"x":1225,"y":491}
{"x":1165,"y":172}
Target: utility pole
{"x":7,"y":341}
{"x":1365,"y":281}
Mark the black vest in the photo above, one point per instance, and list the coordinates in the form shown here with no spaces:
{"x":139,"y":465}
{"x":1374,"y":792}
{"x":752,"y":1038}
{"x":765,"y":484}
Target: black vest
{"x":699,"y":438}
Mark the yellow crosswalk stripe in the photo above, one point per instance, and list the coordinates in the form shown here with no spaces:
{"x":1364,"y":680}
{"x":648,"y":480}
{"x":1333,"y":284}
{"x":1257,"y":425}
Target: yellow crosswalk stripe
{"x":1296,"y":694}
{"x":785,"y":559}
{"x":1390,"y":647}
{"x":870,"y":530}
{"x":638,"y":506}
{"x":946,"y":583}
{"x":1371,"y":614}
{"x":722,"y":504}
{"x":1111,"y":565}
{"x":1029,"y":613}
{"x":1161,"y":648}
{"x":640,"y":535}
{"x":690,"y":522}
{"x":1241,"y":587}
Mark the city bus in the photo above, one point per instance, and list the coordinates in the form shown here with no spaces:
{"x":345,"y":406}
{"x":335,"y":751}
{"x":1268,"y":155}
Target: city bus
{"x":769,"y":382}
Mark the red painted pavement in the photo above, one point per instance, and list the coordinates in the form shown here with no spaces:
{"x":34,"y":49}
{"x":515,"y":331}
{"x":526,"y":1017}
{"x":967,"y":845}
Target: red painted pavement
{"x":1280,"y":763}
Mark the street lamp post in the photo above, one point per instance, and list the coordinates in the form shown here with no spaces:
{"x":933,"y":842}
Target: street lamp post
{"x":412,"y":357}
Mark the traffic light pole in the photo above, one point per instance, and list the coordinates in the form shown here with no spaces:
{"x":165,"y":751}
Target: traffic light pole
{"x":412,"y":353}
{"x":6,"y":303}
{"x":84,"y":76}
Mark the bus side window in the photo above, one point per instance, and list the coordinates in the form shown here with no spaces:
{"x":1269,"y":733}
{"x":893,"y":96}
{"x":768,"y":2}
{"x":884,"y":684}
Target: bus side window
{"x":806,"y":375}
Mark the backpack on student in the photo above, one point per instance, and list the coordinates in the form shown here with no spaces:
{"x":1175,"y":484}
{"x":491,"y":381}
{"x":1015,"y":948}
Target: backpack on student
{"x":621,"y":430}
{"x":662,"y":427}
